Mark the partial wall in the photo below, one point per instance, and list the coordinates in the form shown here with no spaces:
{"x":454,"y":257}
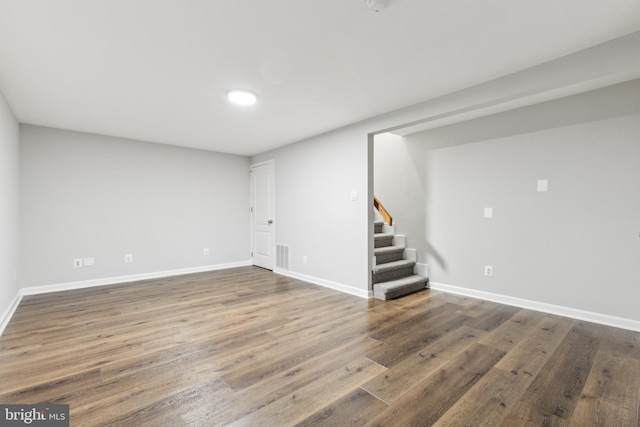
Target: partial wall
{"x":575,"y":245}
{"x":9,"y":206}
{"x":98,"y":198}
{"x":322,"y":207}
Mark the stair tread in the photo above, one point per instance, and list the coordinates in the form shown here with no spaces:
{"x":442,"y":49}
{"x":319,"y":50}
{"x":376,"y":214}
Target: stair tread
{"x":399,"y":283}
{"x":393,"y":265}
{"x":387,"y":249}
{"x":382,"y":235}
{"x":400,"y":287}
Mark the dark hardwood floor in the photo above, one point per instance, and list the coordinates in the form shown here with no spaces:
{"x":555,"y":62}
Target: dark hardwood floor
{"x":248,"y":347}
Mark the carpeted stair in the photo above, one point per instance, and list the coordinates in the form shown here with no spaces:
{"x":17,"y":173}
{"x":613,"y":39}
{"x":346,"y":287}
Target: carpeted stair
{"x":393,"y":275}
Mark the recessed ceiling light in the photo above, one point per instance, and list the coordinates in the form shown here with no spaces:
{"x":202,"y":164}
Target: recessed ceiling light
{"x":242,"y":97}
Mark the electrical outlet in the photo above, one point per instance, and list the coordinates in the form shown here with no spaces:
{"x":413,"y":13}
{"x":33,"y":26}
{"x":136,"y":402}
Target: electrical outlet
{"x":205,"y":251}
{"x":128,"y":258}
{"x":488,"y":270}
{"x":304,"y":259}
{"x":77,"y":263}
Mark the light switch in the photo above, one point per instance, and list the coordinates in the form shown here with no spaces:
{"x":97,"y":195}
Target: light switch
{"x":488,"y":212}
{"x":543,"y":185}
{"x":354,"y":196}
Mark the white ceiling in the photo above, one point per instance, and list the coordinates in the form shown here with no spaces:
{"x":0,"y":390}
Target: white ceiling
{"x":158,"y":70}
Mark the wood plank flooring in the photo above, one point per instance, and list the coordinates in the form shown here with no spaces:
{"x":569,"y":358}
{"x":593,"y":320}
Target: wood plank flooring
{"x":247,"y":347}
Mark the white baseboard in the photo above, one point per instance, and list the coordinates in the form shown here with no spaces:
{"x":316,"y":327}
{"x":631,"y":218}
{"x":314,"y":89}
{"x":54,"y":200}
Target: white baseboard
{"x":604,"y":319}
{"x":8,"y":314}
{"x":362,"y":293}
{"x":132,"y":278}
{"x":574,"y":313}
{"x":34,"y":290}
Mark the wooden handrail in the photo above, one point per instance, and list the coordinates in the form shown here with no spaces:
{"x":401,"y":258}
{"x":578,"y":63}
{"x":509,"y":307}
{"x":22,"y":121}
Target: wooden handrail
{"x":385,"y":213}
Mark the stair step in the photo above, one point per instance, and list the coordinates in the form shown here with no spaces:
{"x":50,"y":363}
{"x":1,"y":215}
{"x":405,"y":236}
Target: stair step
{"x":393,"y":266}
{"x":388,"y":249}
{"x":378,"y":226}
{"x":386,"y":254}
{"x":392,"y":270}
{"x":400,"y":287}
{"x":382,"y":239}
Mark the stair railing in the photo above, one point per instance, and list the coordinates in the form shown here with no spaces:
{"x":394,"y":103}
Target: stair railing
{"x":383,"y":212}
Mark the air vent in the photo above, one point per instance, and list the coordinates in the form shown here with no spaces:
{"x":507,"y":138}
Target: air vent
{"x":282,"y":256}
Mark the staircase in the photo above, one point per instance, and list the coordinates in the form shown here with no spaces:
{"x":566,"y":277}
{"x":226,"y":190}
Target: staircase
{"x":393,"y":275}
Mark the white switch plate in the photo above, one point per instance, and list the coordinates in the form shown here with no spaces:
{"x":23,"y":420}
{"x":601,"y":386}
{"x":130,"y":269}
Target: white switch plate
{"x":88,"y":262}
{"x":77,"y":263}
{"x":488,"y":212}
{"x":304,"y":259}
{"x":354,"y":196}
{"x":128,"y":258}
{"x":543,"y":185}
{"x":205,"y":251}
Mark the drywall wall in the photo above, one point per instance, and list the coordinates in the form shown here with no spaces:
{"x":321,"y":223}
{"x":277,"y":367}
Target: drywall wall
{"x":9,"y":205}
{"x":314,"y":178}
{"x":85,"y":195}
{"x":576,"y":245}
{"x":400,"y":185}
{"x":400,"y":163}
{"x":315,"y":215}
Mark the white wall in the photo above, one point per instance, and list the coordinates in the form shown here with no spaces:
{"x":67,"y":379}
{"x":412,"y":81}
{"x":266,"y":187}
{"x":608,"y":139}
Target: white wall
{"x":315,"y":177}
{"x":576,"y":246}
{"x":400,"y":185}
{"x":314,"y":212}
{"x":9,"y":205}
{"x":85,"y":195}
{"x":94,"y":196}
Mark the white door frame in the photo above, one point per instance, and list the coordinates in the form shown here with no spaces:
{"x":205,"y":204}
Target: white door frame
{"x":272,"y":226}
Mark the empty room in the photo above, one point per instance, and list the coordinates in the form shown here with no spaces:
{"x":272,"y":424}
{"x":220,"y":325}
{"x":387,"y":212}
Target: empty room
{"x":305,"y":213}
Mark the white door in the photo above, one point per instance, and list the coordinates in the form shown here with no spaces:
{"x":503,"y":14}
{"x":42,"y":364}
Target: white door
{"x":262,"y":214}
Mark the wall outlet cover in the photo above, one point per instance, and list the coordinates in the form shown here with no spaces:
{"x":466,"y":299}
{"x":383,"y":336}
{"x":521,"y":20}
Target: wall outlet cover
{"x":488,"y":270}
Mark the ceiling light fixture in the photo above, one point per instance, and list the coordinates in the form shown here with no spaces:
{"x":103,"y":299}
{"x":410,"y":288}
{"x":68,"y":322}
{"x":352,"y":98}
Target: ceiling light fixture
{"x":377,"y":5}
{"x":242,"y":97}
